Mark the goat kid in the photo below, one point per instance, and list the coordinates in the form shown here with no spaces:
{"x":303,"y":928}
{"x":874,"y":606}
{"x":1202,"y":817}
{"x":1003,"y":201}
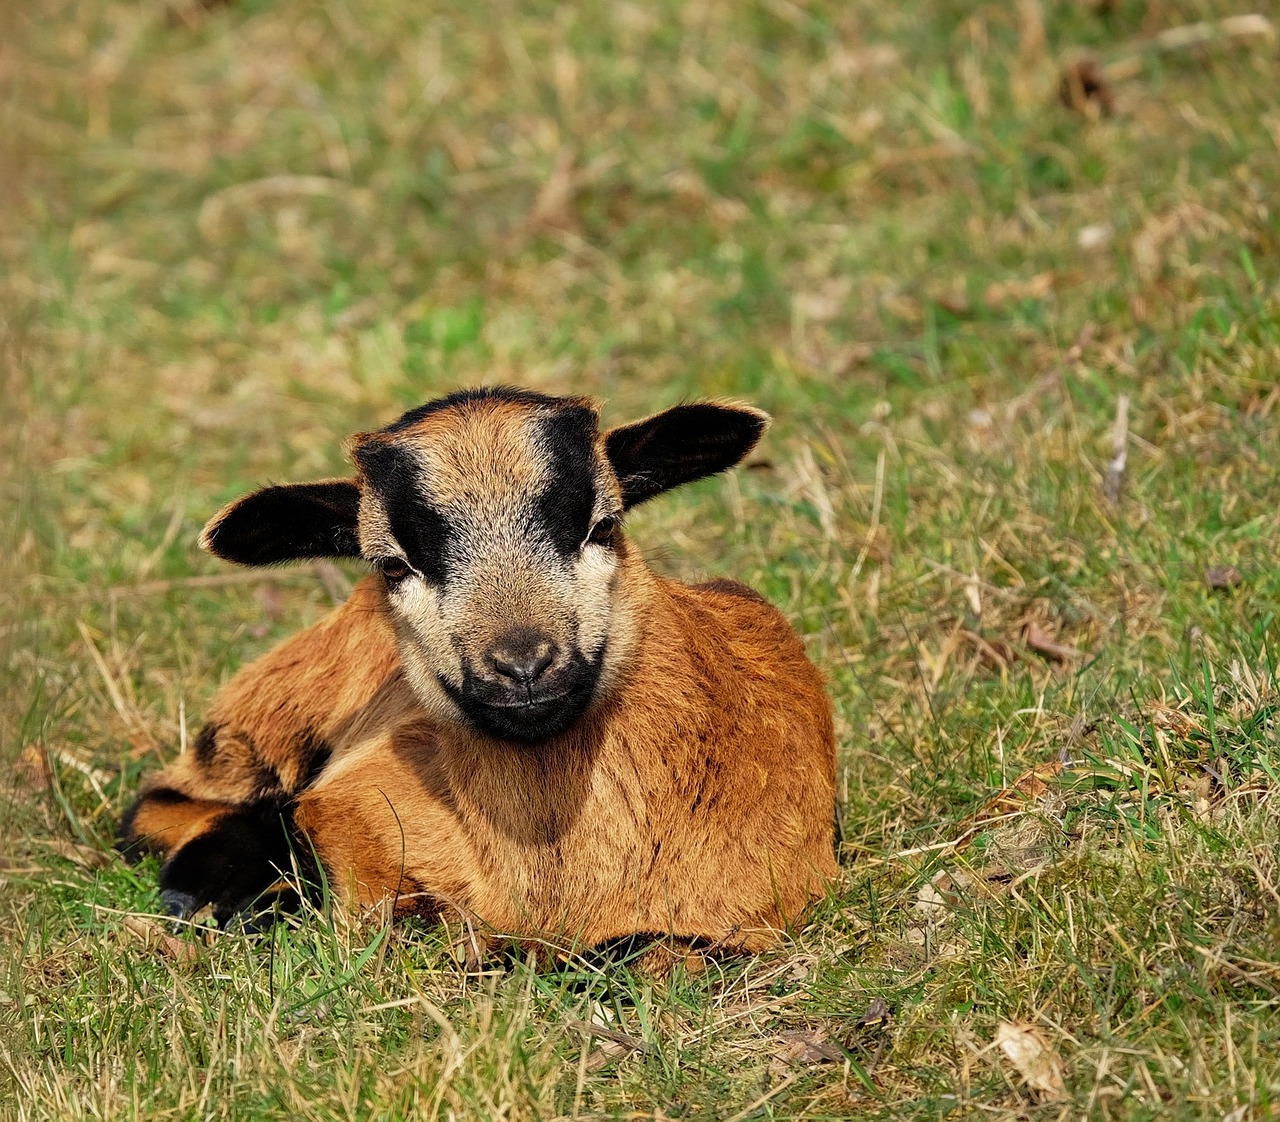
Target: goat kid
{"x":513,"y":720}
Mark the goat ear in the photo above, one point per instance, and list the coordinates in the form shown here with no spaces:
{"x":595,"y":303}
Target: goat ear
{"x":680,"y":445}
{"x":287,"y":523}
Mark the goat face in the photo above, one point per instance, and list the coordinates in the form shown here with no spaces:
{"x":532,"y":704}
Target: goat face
{"x":494,"y":517}
{"x":493,"y":520}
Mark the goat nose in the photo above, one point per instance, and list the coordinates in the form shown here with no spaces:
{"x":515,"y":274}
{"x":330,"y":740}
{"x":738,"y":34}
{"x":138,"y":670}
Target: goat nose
{"x":522,"y":657}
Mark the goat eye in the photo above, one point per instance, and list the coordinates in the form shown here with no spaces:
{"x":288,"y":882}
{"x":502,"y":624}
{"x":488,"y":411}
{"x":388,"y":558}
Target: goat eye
{"x":393,"y":569}
{"x":604,"y":532}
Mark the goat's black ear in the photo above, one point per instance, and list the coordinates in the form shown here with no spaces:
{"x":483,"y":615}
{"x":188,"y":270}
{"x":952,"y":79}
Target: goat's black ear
{"x":680,"y":445}
{"x":287,"y":523}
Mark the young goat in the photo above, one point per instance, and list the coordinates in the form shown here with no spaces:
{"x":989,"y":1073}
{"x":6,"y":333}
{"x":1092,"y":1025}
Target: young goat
{"x":513,"y":720}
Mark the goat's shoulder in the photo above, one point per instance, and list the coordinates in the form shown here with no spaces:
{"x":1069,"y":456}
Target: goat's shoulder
{"x":732,"y":646}
{"x":738,"y":618}
{"x":724,"y":586}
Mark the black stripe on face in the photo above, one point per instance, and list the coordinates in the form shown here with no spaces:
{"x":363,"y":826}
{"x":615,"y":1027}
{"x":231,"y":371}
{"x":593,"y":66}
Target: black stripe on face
{"x":206,"y":744}
{"x":564,"y":508}
{"x":422,"y":531}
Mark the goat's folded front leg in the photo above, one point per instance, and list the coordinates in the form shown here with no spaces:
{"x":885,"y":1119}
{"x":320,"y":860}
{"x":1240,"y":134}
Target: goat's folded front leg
{"x":224,"y":829}
{"x":242,"y":860}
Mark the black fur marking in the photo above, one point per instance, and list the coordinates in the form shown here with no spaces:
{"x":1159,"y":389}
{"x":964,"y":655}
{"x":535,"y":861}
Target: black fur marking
{"x":266,"y":779}
{"x":413,"y":899}
{"x":422,"y":531}
{"x":206,"y":743}
{"x":288,"y":523}
{"x":314,"y":752}
{"x":566,"y":504}
{"x":233,"y":865}
{"x":165,"y":796}
{"x":475,"y":397}
{"x":685,"y":443}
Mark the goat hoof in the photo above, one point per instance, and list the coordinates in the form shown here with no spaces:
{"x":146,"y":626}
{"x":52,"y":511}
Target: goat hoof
{"x":179,"y":905}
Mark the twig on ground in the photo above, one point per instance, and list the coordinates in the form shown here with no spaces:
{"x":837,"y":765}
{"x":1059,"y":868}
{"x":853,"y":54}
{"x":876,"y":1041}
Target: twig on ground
{"x":1120,"y":451}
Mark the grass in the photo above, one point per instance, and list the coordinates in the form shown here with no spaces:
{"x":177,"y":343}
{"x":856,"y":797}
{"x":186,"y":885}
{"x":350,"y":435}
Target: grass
{"x":234,"y":234}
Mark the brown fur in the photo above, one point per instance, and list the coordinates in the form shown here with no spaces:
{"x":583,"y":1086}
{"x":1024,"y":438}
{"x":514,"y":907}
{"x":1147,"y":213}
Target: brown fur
{"x":693,"y":799}
{"x":166,"y":822}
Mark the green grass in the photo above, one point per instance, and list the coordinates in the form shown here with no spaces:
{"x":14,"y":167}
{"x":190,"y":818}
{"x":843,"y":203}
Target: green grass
{"x":232,"y":236}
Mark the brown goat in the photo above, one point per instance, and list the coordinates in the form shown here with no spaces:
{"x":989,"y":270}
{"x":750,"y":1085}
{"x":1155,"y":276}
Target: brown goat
{"x":513,"y":720}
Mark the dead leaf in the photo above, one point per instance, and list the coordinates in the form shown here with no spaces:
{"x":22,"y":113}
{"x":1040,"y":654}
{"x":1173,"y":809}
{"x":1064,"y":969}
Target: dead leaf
{"x":241,"y":199}
{"x":823,"y":304}
{"x":1223,"y":576}
{"x":995,"y":653}
{"x":32,"y":768}
{"x":1199,"y":792}
{"x":1175,"y":720}
{"x":83,"y":855}
{"x":1040,"y":641}
{"x":877,"y":1014}
{"x":1084,"y":89}
{"x":954,"y":300}
{"x":800,"y":967}
{"x":1030,"y":788}
{"x":1002,"y":292}
{"x":803,"y":1046}
{"x":846,"y":62}
{"x":1250,"y":25}
{"x":469,"y":948}
{"x":613,"y":1043}
{"x":945,"y":891}
{"x":156,"y":938}
{"x":1038,"y":1064}
{"x":1094,"y":236}
{"x":1032,"y":784}
{"x":902,"y":307}
{"x":553,"y":208}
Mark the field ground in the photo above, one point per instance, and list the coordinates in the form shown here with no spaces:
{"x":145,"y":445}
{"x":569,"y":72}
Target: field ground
{"x":1022,"y":340}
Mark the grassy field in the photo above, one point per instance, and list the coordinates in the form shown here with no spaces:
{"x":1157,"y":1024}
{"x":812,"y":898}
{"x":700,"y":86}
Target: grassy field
{"x":1021,"y":337}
